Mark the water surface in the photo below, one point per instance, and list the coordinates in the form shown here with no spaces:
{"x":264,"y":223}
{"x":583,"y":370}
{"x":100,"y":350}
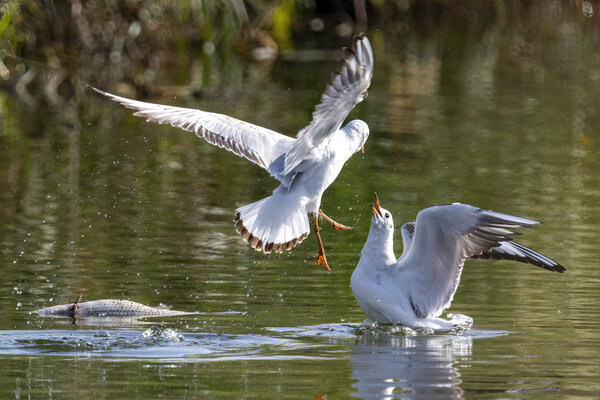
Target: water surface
{"x":100,"y":203}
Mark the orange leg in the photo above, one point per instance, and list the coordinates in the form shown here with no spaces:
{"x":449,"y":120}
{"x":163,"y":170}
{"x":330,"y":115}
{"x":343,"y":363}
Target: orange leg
{"x":321,"y":259}
{"x":337,"y":226}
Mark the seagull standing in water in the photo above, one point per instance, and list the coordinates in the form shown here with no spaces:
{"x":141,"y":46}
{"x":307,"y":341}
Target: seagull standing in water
{"x":305,"y":166}
{"x":414,"y":289}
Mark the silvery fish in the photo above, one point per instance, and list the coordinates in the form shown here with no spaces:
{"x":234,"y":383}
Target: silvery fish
{"x":107,"y":308}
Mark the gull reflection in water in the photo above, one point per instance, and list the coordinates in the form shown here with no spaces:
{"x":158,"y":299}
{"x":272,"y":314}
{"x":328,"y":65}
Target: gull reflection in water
{"x":405,"y":367}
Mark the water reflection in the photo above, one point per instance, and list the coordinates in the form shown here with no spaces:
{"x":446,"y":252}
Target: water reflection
{"x":401,"y":367}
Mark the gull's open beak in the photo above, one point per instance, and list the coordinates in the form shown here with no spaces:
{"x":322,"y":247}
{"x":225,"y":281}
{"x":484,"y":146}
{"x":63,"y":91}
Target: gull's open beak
{"x":375,"y":208}
{"x":362,"y":149}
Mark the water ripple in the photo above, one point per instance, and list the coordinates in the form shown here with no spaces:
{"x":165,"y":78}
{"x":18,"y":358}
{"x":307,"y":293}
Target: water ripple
{"x":151,"y":343}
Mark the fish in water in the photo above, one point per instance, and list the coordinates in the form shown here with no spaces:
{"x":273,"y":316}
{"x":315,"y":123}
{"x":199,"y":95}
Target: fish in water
{"x":110,"y":308}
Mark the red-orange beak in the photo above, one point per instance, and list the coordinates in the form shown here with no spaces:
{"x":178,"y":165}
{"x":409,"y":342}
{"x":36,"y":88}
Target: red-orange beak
{"x":376,"y":209}
{"x":362,"y":149}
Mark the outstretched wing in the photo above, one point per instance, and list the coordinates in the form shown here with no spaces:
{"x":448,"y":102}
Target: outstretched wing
{"x":347,"y":87}
{"x":257,"y":144}
{"x":507,"y":250}
{"x":445,"y":236}
{"x":518,"y":252}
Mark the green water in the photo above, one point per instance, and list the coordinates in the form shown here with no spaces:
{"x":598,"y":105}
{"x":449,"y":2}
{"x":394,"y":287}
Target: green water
{"x":96,"y":202}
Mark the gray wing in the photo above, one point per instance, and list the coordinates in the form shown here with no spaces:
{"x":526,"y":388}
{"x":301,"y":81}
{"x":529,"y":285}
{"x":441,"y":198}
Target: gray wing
{"x":346,"y":88}
{"x":507,"y":250}
{"x":257,"y":144}
{"x":514,"y":251}
{"x":445,"y":236}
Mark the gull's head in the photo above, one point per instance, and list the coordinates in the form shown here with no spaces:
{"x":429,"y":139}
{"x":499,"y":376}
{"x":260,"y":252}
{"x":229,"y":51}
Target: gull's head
{"x":381,"y":221}
{"x":380,"y":242}
{"x":358,"y":133}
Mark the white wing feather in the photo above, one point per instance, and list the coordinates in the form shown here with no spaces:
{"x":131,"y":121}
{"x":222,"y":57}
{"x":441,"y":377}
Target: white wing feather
{"x":257,"y":144}
{"x":347,"y":87}
{"x":444,"y":237}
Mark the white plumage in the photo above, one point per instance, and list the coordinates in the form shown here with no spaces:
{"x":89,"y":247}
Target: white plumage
{"x":416,"y":288}
{"x":305,"y":166}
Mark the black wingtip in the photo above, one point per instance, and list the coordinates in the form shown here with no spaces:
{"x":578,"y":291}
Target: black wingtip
{"x":347,"y":53}
{"x":357,"y":38}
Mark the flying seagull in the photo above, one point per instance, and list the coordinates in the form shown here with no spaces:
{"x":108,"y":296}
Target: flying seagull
{"x":305,"y":166}
{"x":414,"y":289}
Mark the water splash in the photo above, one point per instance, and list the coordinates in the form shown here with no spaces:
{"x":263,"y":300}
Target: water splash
{"x":371,"y":327}
{"x":462,"y":323}
{"x":168,"y":334}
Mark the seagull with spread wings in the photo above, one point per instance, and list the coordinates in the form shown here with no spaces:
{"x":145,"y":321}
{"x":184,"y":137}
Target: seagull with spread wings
{"x":305,"y":166}
{"x":416,"y":288}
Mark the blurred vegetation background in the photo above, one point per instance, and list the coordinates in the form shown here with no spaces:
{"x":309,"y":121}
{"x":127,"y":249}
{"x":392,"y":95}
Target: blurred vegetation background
{"x":49,"y":48}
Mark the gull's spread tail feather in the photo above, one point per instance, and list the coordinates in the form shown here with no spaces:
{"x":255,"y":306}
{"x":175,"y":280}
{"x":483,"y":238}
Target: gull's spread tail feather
{"x":275,"y":223}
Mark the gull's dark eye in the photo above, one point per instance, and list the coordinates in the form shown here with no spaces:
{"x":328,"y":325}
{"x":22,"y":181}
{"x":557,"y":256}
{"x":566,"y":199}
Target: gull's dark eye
{"x":387,"y":215}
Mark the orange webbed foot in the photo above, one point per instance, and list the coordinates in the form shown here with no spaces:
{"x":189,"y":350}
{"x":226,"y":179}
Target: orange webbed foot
{"x":321,"y":260}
